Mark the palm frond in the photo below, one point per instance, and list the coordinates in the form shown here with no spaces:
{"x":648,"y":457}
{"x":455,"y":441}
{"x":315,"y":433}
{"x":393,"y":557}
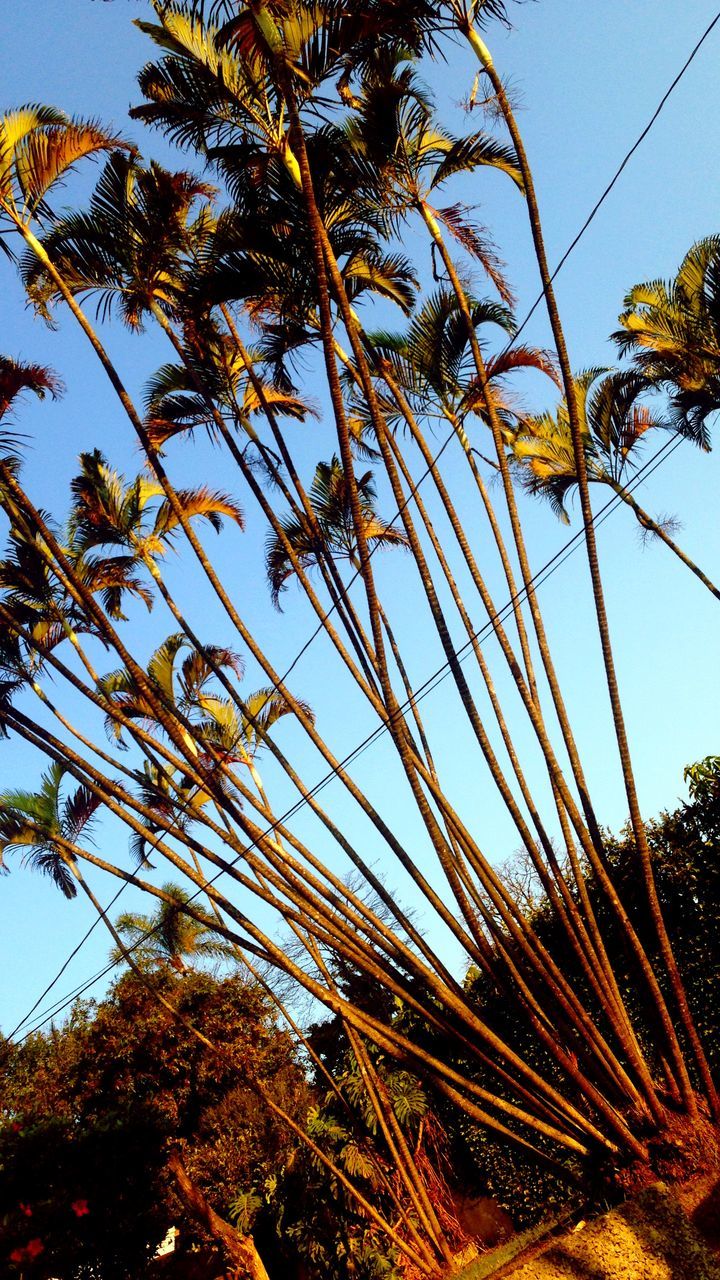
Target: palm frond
{"x":203,"y":503}
{"x":17,"y":376}
{"x":47,"y":153}
{"x":473,"y":151}
{"x":78,"y":811}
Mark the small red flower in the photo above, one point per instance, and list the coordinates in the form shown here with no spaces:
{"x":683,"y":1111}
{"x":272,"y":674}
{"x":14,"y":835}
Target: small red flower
{"x":16,"y":1128}
{"x":79,"y":1208}
{"x":26,"y":1209}
{"x":32,"y":1250}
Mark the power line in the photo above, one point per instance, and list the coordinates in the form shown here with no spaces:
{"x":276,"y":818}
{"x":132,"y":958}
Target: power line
{"x":428,"y":686}
{"x":65,"y":964}
{"x":626,"y":160}
{"x":508,"y":347}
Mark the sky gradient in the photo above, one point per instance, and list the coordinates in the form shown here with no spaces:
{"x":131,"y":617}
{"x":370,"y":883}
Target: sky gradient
{"x":587,"y":84}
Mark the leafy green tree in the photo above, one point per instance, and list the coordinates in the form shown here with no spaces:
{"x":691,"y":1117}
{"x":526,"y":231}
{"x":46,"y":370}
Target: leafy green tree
{"x":311,"y":1210}
{"x":685,"y":842}
{"x":121,"y":1124}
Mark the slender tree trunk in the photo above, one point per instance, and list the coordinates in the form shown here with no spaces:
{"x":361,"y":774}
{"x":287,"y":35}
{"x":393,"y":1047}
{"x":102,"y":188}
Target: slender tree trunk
{"x":401,"y":1047}
{"x":657,"y":530}
{"x":240,"y":1251}
{"x":496,"y":431}
{"x":325,"y":262}
{"x":589,"y":845}
{"x":366,"y":685}
{"x":357,"y":794}
{"x":576,"y":428}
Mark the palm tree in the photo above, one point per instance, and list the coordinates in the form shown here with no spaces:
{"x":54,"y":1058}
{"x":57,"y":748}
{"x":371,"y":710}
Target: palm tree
{"x":216,"y":728}
{"x":672,"y":330}
{"x":411,"y":182}
{"x":135,"y":517}
{"x":130,"y":248}
{"x":236,"y":104}
{"x":176,"y":408}
{"x":400,"y":157}
{"x":38,"y":147}
{"x":330,"y":498}
{"x":40,"y":602}
{"x":433,"y":363}
{"x":616,"y":424}
{"x":44,"y":822}
{"x":238,"y":121}
{"x":29,"y":589}
{"x":170,"y":936}
{"x":181,"y":687}
{"x":567,"y":809}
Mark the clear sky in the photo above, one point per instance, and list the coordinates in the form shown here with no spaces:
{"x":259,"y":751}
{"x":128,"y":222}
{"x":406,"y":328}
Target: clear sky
{"x":588,"y":76}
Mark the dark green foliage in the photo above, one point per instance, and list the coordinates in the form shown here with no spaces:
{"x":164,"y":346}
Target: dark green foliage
{"x":685,"y":844}
{"x":88,"y":1195}
{"x":310,"y":1212}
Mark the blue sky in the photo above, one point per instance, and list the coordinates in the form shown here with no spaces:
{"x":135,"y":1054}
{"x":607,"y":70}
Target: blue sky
{"x":588,"y":78}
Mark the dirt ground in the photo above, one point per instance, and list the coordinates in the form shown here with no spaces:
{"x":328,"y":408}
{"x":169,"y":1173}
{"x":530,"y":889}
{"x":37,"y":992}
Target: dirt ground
{"x":661,"y":1234}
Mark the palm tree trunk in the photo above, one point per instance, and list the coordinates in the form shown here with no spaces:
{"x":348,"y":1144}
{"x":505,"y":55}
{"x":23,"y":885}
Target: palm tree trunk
{"x":636,"y":820}
{"x":397,"y":1045}
{"x":409,"y":694}
{"x":657,"y":530}
{"x":593,"y":847}
{"x":340,"y":598}
{"x":509,"y":576}
{"x":401,"y":1047}
{"x":617,"y":1011}
{"x":539,"y":626}
{"x":435,"y":899}
{"x":325,"y":259}
{"x":324,"y":262}
{"x":58,"y":554}
{"x":240,"y":1250}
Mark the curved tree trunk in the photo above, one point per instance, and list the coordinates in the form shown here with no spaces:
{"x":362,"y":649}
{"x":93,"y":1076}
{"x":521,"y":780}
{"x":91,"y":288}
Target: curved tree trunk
{"x":647,"y":522}
{"x":240,"y":1251}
